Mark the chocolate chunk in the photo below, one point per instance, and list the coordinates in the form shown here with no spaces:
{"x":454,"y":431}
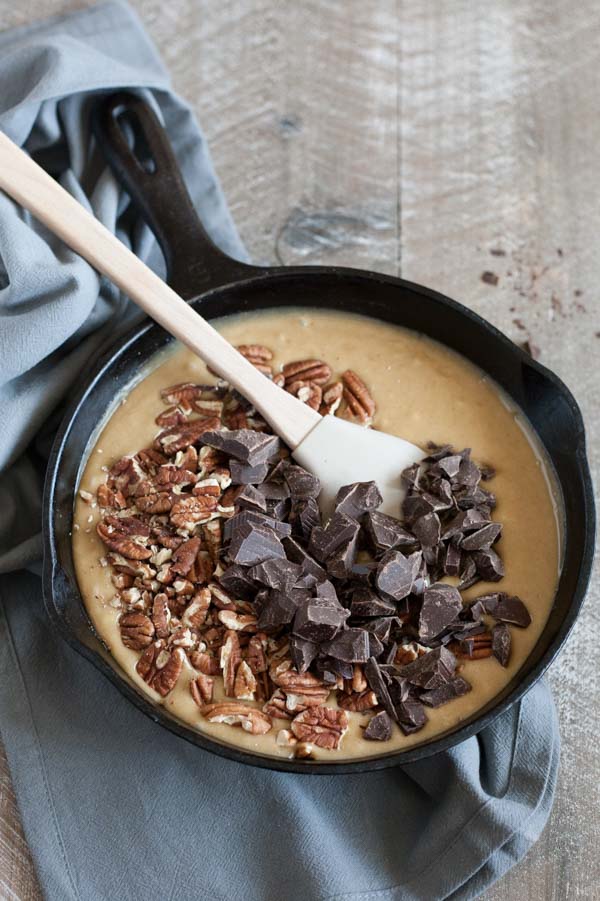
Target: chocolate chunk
{"x":431,"y":670}
{"x":319,"y":621}
{"x":487,"y":472}
{"x":340,"y":564}
{"x":437,"y":452}
{"x":379,"y":684}
{"x":277,"y":573}
{"x":242,"y":474}
{"x":376,"y":646}
{"x":427,"y":529}
{"x":485,"y":603}
{"x":325,"y":591}
{"x":251,"y":544}
{"x":381,"y":627}
{"x":367,"y":604}
{"x":410,"y":476}
{"x":489,"y":278}
{"x":489,"y":565}
{"x":447,"y":692}
{"x":501,"y":642}
{"x":247,"y":445}
{"x":237,"y":582}
{"x":416,"y":505}
{"x":396,"y":574}
{"x":379,"y":727}
{"x":280,"y":607}
{"x":441,"y":605}
{"x":511,"y":609}
{"x":483,"y":538}
{"x":276,"y":498}
{"x":252,"y":517}
{"x":332,"y":664}
{"x":452,"y":559}
{"x":450,"y":465}
{"x":304,"y":517}
{"x":351,"y":646}
{"x":296,"y":553}
{"x":410,"y":715}
{"x":468,"y":574}
{"x":479,"y":498}
{"x":251,"y":499}
{"x":302,"y":652}
{"x":386,"y":532}
{"x":301,"y":483}
{"x":465,"y":521}
{"x":325,"y":541}
{"x":357,"y":499}
{"x":468,"y":475}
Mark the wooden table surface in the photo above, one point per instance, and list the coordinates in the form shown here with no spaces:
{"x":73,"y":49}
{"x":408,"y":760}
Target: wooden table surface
{"x":436,"y":140}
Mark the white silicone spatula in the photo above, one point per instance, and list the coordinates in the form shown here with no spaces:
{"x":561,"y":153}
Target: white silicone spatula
{"x":337,"y":451}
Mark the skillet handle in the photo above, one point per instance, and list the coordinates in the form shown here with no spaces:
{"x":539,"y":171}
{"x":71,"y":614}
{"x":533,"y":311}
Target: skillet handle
{"x":156,"y":187}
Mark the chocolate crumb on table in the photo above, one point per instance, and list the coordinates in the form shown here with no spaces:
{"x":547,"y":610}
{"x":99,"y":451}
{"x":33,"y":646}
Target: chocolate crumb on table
{"x":489,"y":278}
{"x":222,"y":562}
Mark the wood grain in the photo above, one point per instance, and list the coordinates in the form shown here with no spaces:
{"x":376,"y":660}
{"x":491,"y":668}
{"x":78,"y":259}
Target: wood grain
{"x":421,"y":139}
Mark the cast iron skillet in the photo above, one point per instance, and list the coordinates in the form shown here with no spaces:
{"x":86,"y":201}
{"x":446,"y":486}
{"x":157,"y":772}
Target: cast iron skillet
{"x":217,"y":285}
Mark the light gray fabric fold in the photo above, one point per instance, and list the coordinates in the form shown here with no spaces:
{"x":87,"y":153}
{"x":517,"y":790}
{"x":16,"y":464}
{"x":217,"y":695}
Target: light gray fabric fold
{"x":113,"y":806}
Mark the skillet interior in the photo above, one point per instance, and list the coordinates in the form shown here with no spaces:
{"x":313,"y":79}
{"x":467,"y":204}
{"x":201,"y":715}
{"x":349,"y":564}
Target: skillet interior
{"x":545,"y":401}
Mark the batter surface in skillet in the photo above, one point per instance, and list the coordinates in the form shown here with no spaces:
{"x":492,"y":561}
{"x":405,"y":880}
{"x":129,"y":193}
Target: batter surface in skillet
{"x":423,"y":392}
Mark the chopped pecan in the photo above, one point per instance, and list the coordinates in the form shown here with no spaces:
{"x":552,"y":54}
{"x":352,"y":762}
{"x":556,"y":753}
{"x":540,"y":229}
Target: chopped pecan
{"x":124,"y":473}
{"x":258,"y":355}
{"x":314,"y":697}
{"x":170,"y":474}
{"x":121,"y":580}
{"x":146,"y":665}
{"x":406,"y":653}
{"x":358,"y":702}
{"x":275,"y":706}
{"x":137,"y":631}
{"x":209,"y":459}
{"x":203,"y":568}
{"x":168,"y":673}
{"x":292,"y":681}
{"x":182,"y":638}
{"x":359,"y":683}
{"x":155,"y":502}
{"x":169,"y":417}
{"x":161,"y":615}
{"x":321,"y":726}
{"x":205,"y":663}
{"x":150,"y":459}
{"x":189,"y":511}
{"x":220,"y":598}
{"x":207,"y":488}
{"x":178,"y":437}
{"x":184,"y":557}
{"x":308,"y":392}
{"x":255,"y":653}
{"x":234,"y":713}
{"x":307,"y":371}
{"x":108,"y":498}
{"x":183,"y":394}
{"x":474,"y":647}
{"x":213,"y":538}
{"x":230,"y":658}
{"x":237,"y":419}
{"x":238,"y":622}
{"x":195,"y":615}
{"x":201,"y":689}
{"x":187,"y":459}
{"x":279,"y":380}
{"x":244,"y":686}
{"x":332,"y":398}
{"x":285,"y":739}
{"x":304,"y":751}
{"x":358,"y":398}
{"x":122,"y":543}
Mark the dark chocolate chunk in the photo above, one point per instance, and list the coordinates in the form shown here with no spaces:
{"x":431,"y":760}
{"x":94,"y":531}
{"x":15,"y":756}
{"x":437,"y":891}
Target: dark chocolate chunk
{"x":325,"y":591}
{"x":386,"y":532}
{"x":376,"y":646}
{"x":410,"y":476}
{"x":276,"y":498}
{"x":379,"y":727}
{"x":279,"y":608}
{"x":303,"y":652}
{"x":450,"y":465}
{"x":447,"y":692}
{"x":319,"y":621}
{"x":441,"y":605}
{"x":251,"y":544}
{"x":340,"y":564}
{"x":468,"y":574}
{"x":242,"y":474}
{"x":332,"y":664}
{"x":325,"y":541}
{"x":251,"y":499}
{"x":381,"y":627}
{"x":254,"y":517}
{"x":379,"y":684}
{"x":297,"y":554}
{"x":396,"y":574}
{"x":416,"y":505}
{"x":427,"y":529}
{"x":237,"y":582}
{"x":247,"y":445}
{"x":437,"y":452}
{"x":511,"y":609}
{"x":489,"y":278}
{"x":452,"y":559}
{"x":357,"y":499}
{"x":410,"y":715}
{"x":431,"y":670}
{"x":482,"y":538}
{"x":276,"y":573}
{"x":465,"y":521}
{"x":468,"y":475}
{"x":489,"y":565}
{"x":479,"y":498}
{"x":366,"y":603}
{"x":485,"y":603}
{"x":487,"y":472}
{"x":351,"y":646}
{"x":301,"y":483}
{"x":501,"y":642}
{"x":304,"y":517}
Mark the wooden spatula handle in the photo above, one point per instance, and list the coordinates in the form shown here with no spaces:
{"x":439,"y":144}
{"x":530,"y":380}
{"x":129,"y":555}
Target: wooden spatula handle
{"x":27,"y":183}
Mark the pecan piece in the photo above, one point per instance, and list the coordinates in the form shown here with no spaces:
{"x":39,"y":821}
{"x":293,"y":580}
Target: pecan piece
{"x":275,"y":706}
{"x":161,"y":615}
{"x":167,"y":675}
{"x":146,"y":665}
{"x":255,"y":653}
{"x":259,"y":356}
{"x":121,"y":543}
{"x":178,"y":437}
{"x":237,"y":622}
{"x":321,"y":726}
{"x":201,"y":689}
{"x":155,"y":502}
{"x":108,"y":498}
{"x":169,"y":417}
{"x":189,"y":511}
{"x":332,"y":398}
{"x":244,"y":686}
{"x":205,"y":663}
{"x":475,"y":647}
{"x":137,"y":631}
{"x":358,"y":398}
{"x":358,"y":702}
{"x":183,"y":393}
{"x":230,"y":658}
{"x":184,"y":557}
{"x":234,"y":713}
{"x":292,"y":681}
{"x":197,"y":611}
{"x":307,"y":371}
{"x":308,"y":392}
{"x":213,"y":538}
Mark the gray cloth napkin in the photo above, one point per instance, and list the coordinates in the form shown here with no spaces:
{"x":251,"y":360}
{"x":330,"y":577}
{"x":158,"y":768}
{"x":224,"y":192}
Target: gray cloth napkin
{"x":113,"y":806}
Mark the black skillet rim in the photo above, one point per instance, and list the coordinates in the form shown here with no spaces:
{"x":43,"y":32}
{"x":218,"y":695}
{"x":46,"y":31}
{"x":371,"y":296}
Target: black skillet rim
{"x":398,"y":758}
